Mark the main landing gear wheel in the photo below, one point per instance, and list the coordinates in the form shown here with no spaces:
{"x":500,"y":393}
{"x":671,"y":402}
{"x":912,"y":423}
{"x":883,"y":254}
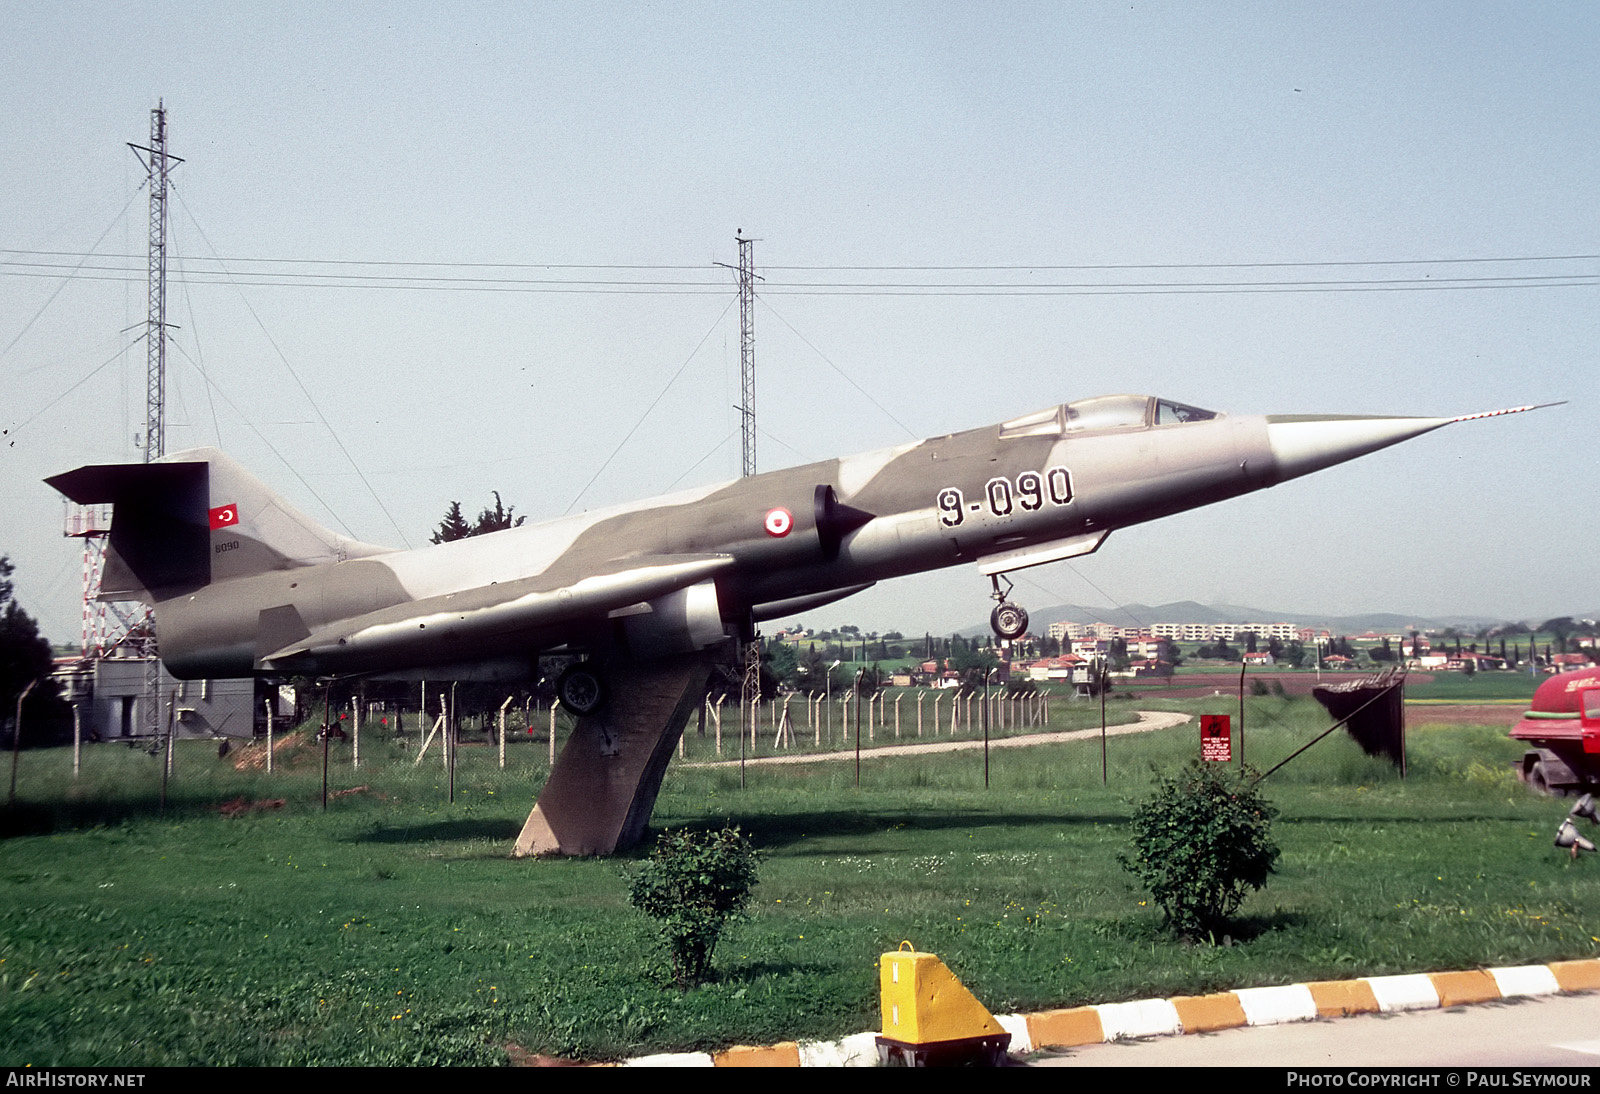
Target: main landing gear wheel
{"x":580,"y":689}
{"x":1010,"y":621}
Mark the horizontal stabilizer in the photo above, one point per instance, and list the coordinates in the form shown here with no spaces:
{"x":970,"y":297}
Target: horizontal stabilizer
{"x":160,"y":531}
{"x":196,"y":517}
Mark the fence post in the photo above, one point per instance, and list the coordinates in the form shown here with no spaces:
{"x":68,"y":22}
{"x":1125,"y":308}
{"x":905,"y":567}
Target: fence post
{"x":781,"y":735}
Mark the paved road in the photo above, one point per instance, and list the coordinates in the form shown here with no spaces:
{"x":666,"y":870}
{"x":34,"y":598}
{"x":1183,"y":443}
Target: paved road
{"x":1148,"y":720}
{"x":1548,"y":1031}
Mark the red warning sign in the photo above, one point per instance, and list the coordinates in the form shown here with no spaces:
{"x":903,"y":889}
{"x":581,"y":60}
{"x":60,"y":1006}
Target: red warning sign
{"x":224,"y":515}
{"x":1216,"y":737}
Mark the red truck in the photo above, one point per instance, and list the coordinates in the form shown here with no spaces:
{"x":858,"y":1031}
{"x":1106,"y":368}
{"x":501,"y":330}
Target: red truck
{"x":1563,"y":728}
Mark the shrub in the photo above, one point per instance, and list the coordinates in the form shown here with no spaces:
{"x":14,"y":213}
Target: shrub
{"x":1200,"y":844}
{"x":692,"y":885}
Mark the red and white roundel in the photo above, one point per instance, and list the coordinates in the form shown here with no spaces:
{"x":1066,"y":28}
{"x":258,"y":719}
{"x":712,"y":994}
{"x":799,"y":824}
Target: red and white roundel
{"x":778,"y":522}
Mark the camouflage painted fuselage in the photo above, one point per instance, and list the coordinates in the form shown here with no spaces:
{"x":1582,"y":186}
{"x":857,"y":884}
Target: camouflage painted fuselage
{"x":243,"y":584}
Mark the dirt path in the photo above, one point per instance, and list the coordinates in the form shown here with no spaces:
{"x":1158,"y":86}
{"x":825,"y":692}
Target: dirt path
{"x":1149,"y":720}
{"x":1500,"y":714}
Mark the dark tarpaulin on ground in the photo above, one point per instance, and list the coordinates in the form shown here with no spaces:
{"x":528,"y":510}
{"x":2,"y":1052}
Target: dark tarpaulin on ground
{"x":1373,"y":710}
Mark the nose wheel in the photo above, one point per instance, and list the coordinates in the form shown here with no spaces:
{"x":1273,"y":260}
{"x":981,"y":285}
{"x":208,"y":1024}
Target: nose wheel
{"x":1009,"y":621}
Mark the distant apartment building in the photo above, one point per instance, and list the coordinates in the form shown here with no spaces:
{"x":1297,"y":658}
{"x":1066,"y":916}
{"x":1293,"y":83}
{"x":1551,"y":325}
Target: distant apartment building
{"x":1181,"y":632}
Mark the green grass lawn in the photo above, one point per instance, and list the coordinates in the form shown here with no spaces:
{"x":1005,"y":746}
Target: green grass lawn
{"x":394,"y":929}
{"x":1458,"y":687}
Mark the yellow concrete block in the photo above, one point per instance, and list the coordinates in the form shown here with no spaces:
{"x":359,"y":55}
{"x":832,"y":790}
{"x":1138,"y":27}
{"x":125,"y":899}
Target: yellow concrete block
{"x":1458,"y":988}
{"x":1066,"y":1028}
{"x":782,"y":1054}
{"x":1337,"y":998}
{"x":923,"y":1001}
{"x":1577,"y":975}
{"x":1204,"y":1013}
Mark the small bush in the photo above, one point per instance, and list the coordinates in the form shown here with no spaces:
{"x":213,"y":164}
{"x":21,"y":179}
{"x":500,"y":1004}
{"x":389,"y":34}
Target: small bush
{"x":1200,"y":845}
{"x":692,"y":884}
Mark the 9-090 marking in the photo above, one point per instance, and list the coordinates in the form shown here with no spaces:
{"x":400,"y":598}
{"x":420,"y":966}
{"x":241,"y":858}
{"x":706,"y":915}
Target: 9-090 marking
{"x":1031,"y":491}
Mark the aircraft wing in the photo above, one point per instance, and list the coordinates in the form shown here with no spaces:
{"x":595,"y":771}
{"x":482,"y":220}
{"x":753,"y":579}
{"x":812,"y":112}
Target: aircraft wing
{"x":488,"y":614}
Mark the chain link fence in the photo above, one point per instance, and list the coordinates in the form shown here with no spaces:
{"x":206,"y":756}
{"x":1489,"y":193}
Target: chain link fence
{"x":446,"y":742}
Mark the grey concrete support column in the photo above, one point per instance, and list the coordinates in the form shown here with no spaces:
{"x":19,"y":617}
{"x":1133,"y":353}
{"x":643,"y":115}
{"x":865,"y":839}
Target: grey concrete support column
{"x":603,"y":788}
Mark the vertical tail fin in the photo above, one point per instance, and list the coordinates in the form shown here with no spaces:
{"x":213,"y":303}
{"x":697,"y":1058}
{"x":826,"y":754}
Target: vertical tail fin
{"x":193,"y":518}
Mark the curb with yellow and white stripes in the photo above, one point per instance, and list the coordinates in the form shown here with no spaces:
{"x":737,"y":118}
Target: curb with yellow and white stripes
{"x":1191,"y":1014}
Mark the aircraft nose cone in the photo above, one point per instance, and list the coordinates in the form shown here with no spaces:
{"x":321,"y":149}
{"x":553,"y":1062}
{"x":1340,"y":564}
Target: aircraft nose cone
{"x":1302,"y":444}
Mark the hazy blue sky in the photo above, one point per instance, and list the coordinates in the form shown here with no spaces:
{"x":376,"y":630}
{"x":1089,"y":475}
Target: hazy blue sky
{"x":533,"y":137}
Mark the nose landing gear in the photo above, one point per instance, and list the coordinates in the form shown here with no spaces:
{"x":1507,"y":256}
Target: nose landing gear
{"x":1009,"y":621}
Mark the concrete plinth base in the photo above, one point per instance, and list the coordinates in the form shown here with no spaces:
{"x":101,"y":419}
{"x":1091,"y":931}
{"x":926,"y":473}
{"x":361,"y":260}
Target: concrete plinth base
{"x":604,"y":786}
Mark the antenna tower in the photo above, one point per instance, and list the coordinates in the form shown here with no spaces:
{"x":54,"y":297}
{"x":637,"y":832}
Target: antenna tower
{"x":157,"y":162}
{"x":750,"y":691}
{"x":747,"y":352}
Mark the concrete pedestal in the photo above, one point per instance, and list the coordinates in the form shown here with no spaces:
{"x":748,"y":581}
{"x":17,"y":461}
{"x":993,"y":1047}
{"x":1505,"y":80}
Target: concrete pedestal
{"x":604,"y":786}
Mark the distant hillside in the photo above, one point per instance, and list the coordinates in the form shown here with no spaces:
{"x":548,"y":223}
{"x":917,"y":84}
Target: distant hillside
{"x":1189,"y":611}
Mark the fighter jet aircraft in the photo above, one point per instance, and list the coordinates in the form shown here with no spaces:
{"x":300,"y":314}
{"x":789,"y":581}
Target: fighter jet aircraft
{"x":243,"y":584}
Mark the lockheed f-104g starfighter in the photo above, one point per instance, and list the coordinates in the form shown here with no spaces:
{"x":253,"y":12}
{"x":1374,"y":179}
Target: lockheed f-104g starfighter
{"x":244,"y":584}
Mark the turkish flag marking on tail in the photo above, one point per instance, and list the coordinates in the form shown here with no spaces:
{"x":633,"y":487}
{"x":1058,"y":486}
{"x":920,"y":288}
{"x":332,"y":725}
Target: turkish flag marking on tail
{"x":224,"y":515}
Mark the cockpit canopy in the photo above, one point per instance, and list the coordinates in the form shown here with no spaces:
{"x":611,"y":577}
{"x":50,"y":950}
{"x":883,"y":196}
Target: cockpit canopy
{"x":1103,"y":413}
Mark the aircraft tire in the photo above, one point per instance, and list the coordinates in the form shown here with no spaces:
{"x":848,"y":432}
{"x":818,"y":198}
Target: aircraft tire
{"x":1010,"y":621}
{"x":580,"y":688}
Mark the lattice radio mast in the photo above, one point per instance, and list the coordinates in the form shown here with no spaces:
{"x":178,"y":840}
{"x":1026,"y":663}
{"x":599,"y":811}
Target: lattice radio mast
{"x":750,"y":690}
{"x":747,"y":352}
{"x":158,"y":163}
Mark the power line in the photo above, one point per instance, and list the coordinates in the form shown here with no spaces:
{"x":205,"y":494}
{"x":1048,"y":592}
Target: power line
{"x":1011,"y":288}
{"x":85,"y":257}
{"x":647,"y":410}
{"x":628,"y":288}
{"x":333,"y":434}
{"x":847,"y":377}
{"x":1299,"y":263}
